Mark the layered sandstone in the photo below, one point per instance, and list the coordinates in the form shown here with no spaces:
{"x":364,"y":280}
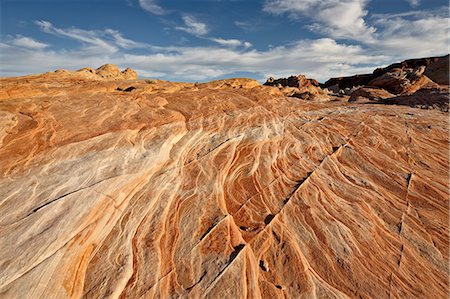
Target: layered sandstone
{"x":151,"y":189}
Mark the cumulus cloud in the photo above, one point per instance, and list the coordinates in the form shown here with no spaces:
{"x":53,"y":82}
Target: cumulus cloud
{"x":401,"y":35}
{"x":317,"y":58}
{"x":192,"y":26}
{"x":337,"y":18}
{"x":152,"y":7}
{"x":417,"y":34}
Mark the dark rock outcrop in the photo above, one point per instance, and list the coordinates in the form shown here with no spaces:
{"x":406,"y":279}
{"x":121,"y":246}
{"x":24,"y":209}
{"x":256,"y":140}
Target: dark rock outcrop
{"x":365,"y":94}
{"x":348,"y":82}
{"x":299,"y":81}
{"x":436,"y":68}
{"x":432,"y":98}
{"x":401,"y":81}
{"x":299,"y":87}
{"x":438,"y":71}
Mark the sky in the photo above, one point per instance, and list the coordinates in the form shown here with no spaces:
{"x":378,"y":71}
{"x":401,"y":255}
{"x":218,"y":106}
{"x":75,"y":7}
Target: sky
{"x":202,"y":40}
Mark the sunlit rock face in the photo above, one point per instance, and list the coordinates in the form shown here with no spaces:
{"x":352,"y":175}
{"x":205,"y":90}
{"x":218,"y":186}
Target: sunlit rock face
{"x":150,"y":189}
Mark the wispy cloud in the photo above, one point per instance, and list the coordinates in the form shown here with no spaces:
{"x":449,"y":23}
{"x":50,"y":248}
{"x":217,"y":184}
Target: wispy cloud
{"x":397,"y":37}
{"x":28,"y":42}
{"x":200,"y":29}
{"x":248,"y":26}
{"x":93,"y":41}
{"x":319,"y":58}
{"x":193,"y":26}
{"x":123,"y":42}
{"x":413,"y":3}
{"x":231,"y":42}
{"x":89,"y":38}
{"x":152,"y":6}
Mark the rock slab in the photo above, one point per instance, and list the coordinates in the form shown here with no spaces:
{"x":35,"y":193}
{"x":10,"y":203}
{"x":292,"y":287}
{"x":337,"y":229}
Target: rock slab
{"x":218,"y":190}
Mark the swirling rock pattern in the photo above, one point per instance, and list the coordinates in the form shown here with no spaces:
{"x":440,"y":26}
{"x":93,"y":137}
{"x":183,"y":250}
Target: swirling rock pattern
{"x":222,"y":190}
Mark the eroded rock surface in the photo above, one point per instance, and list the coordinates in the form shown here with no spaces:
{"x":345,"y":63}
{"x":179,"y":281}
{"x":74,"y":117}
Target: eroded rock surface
{"x":221,"y":190}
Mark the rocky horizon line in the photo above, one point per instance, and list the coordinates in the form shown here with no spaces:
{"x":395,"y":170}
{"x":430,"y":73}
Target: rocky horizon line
{"x":414,"y":61}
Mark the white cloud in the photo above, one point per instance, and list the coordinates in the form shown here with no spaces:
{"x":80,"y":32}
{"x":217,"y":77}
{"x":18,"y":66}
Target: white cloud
{"x":401,"y":35}
{"x":317,"y":58}
{"x":93,"y":41}
{"x":398,"y":37}
{"x":419,"y":14}
{"x":337,"y":18}
{"x":152,"y":6}
{"x":413,"y":3}
{"x":231,"y":42}
{"x":28,"y":42}
{"x":123,"y":42}
{"x":245,"y":25}
{"x":192,"y":26}
{"x":253,"y":25}
{"x":293,"y":7}
{"x":421,"y":34}
{"x":199,"y":29}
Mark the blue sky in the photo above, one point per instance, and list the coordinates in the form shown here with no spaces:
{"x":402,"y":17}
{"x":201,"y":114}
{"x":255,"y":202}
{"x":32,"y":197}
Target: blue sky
{"x":200,"y":40}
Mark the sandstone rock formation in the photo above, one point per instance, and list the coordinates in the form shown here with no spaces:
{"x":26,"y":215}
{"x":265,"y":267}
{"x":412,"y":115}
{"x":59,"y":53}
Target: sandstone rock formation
{"x":109,"y":72}
{"x":231,"y":83}
{"x":219,"y":190}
